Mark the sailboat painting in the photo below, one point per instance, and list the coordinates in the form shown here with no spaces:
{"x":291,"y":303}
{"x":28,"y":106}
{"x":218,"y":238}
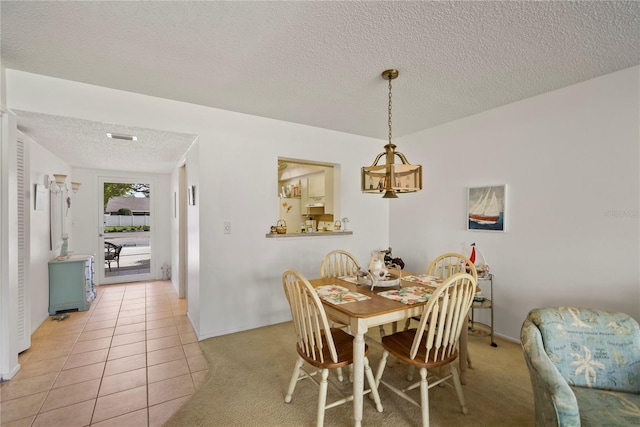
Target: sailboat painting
{"x":486,"y":208}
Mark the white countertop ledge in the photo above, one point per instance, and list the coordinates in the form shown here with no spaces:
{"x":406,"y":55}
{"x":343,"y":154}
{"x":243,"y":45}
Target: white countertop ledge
{"x":315,"y":234}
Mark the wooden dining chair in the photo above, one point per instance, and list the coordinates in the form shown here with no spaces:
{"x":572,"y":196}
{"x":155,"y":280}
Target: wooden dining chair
{"x":338,"y":263}
{"x":319,"y":345}
{"x":435,"y":343}
{"x":445,"y":266}
{"x":448,"y":264}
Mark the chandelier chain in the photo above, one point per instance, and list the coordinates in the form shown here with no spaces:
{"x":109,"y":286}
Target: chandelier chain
{"x":389,"y":111}
{"x":391,"y":178}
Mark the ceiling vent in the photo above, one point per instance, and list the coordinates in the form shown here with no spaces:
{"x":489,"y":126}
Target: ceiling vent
{"x":122,"y":136}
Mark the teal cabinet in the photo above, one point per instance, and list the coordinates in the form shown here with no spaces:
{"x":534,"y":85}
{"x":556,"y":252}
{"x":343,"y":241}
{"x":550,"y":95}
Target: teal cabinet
{"x":71,"y":284}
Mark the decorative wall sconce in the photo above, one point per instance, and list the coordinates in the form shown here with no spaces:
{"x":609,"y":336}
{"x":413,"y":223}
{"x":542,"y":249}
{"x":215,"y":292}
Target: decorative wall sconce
{"x":391,"y":178}
{"x":75,"y":186}
{"x":58,"y":184}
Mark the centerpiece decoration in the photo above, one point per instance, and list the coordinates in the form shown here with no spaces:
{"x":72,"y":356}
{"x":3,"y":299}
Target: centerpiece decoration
{"x":391,"y":261}
{"x":378,"y":274}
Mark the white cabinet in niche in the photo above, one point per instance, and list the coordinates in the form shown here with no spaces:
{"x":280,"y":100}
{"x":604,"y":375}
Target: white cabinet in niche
{"x":316,"y":185}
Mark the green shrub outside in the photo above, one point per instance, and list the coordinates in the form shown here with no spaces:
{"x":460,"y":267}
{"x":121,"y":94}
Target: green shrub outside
{"x":124,"y":228}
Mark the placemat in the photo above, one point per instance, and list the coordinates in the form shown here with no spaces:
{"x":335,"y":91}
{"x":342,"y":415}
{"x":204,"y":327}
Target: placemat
{"x":434,"y":281}
{"x":336,"y":294}
{"x":410,"y":295}
{"x":350,"y":279}
{"x":423,"y":279}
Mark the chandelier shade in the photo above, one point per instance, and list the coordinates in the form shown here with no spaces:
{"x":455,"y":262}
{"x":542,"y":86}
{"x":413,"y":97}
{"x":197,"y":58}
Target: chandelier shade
{"x":391,"y":178}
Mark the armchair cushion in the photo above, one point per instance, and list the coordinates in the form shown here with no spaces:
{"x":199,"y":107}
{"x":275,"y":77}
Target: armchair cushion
{"x":591,"y":348}
{"x":584,"y":366}
{"x":607,"y":408}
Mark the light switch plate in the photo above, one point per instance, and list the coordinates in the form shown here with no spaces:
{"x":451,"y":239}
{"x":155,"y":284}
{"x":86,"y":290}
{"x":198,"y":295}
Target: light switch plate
{"x":227,"y":228}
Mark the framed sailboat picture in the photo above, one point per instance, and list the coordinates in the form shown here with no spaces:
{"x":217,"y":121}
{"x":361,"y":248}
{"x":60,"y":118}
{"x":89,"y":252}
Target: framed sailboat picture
{"x":486,"y":208}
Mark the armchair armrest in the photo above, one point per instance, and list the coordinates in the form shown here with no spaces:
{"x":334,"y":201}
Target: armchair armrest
{"x":555,"y":402}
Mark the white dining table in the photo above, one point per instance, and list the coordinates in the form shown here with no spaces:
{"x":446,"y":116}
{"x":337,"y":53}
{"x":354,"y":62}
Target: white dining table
{"x":365,"y":314}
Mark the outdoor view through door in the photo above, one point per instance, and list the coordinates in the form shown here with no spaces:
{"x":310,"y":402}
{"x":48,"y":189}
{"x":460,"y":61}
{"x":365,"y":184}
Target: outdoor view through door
{"x":126,"y":231}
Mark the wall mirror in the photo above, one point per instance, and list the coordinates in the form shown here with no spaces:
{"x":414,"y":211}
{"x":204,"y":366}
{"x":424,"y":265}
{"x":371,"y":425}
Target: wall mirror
{"x":56,"y":220}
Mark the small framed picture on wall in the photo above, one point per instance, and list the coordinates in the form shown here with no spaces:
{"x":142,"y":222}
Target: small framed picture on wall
{"x":486,"y":208}
{"x":191,"y":193}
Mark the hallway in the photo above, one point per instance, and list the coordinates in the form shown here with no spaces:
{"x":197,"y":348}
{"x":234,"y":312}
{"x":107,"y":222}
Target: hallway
{"x":131,"y":360}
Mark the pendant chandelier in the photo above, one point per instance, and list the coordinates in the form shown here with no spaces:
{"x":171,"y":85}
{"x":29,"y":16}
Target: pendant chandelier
{"x":391,"y":178}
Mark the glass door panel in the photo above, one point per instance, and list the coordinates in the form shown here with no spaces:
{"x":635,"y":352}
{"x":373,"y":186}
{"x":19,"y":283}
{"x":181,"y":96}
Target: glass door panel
{"x":126,"y":236}
{"x":128,"y":254}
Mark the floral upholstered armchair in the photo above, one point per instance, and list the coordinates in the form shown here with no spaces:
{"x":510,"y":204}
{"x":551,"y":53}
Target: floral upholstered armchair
{"x":584,"y":366}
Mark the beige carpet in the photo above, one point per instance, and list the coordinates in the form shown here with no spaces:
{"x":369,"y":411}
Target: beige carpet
{"x":250,"y":371}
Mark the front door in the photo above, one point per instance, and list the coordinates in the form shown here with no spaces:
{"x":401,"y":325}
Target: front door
{"x":127,"y":232}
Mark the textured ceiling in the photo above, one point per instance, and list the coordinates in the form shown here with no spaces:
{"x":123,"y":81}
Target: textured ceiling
{"x":319,"y":63}
{"x":87,"y":144}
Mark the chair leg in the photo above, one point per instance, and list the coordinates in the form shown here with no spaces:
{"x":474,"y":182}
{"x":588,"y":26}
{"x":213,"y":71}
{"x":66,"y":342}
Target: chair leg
{"x":339,"y":370}
{"x":412,"y":369}
{"x":383,"y":333}
{"x":458,"y":387}
{"x":372,"y":384}
{"x":322,"y":398}
{"x":424,"y":397}
{"x":469,"y":318}
{"x":383,"y":363}
{"x":294,"y":379}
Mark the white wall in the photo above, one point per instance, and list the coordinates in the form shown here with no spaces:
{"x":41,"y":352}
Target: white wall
{"x":42,"y":162}
{"x":195,"y":303}
{"x":234,"y":281}
{"x":240,"y":274}
{"x":570,"y":160}
{"x":9,"y":291}
{"x":568,"y":157}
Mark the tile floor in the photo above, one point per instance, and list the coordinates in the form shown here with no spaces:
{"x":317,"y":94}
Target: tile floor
{"x":131,"y":360}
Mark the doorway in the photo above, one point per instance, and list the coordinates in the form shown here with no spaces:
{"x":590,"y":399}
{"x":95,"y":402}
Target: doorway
{"x":126,"y":237}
